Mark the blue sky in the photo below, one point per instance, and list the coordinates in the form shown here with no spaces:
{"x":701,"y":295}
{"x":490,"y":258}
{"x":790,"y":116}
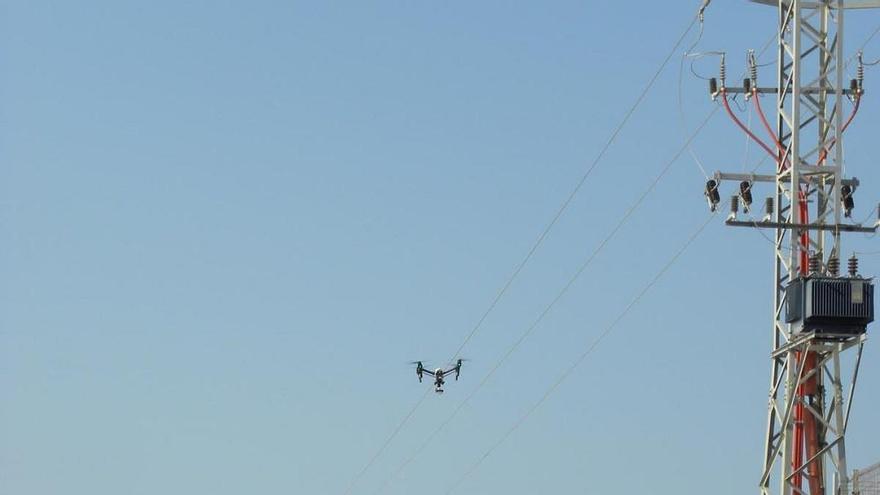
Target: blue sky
{"x":227,"y":226}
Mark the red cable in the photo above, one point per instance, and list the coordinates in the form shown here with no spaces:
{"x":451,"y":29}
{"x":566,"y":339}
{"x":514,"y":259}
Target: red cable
{"x":852,"y":115}
{"x":770,"y":132}
{"x":764,"y":121}
{"x":804,"y":434}
{"x":797,"y":458}
{"x":743,"y":127}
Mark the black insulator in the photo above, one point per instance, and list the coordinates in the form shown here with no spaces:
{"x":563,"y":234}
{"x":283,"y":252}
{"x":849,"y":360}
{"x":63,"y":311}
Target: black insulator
{"x":854,"y":86}
{"x":713,"y":86}
{"x":833,"y":266}
{"x":853,"y":265}
{"x":768,"y":207}
{"x":712,"y":194}
{"x":734,"y":204}
{"x":849,"y":203}
{"x":747,"y":85}
{"x":745,"y":190}
{"x":814,"y":264}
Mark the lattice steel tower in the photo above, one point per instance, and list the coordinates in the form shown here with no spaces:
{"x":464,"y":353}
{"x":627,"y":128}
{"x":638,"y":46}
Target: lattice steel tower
{"x":819,"y":317}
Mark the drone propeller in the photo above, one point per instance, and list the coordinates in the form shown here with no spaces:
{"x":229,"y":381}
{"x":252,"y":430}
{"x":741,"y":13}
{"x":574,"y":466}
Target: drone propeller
{"x":458,"y":366}
{"x":419,"y":369}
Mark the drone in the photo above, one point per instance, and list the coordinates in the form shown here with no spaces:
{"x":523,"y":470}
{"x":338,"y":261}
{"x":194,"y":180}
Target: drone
{"x":438,"y":374}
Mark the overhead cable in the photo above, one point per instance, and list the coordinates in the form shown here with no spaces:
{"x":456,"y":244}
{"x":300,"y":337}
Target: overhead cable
{"x":590,"y":348}
{"x":559,"y":295}
{"x":560,"y":211}
{"x":387,"y":441}
{"x":565,"y":204}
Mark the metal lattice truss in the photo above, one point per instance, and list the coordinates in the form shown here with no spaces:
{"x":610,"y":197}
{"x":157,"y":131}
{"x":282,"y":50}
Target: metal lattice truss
{"x":811,"y":100}
{"x":830,"y":408}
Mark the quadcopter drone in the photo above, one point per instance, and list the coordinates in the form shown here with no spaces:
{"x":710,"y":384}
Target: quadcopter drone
{"x":438,"y":374}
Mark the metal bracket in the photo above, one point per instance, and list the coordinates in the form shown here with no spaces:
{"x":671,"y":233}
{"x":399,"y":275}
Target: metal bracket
{"x":840,"y":227}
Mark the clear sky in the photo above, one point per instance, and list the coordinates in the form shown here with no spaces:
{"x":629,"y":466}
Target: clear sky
{"x":226,"y":226}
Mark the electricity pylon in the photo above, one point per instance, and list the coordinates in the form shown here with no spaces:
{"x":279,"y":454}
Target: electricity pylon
{"x":816,"y":350}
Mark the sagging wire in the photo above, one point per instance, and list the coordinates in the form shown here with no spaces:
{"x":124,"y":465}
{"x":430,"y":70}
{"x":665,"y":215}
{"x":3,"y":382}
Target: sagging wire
{"x":689,"y":53}
{"x":387,"y":442}
{"x":752,"y":60}
{"x":694,"y":57}
{"x":547,"y":309}
{"x":752,"y":71}
{"x":590,"y":348}
{"x":862,"y":48}
{"x":721,"y":91}
{"x":860,"y":52}
{"x":754,"y":94}
{"x":599,"y":157}
{"x":783,"y":161}
{"x":751,"y":91}
{"x":738,"y":122}
{"x":856,"y":97}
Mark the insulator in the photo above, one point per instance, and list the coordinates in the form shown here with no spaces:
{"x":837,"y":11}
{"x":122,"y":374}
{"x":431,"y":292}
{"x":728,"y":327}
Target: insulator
{"x":745,"y":191}
{"x":814,"y":264}
{"x":753,"y":66}
{"x":854,"y":86}
{"x":833,"y":266}
{"x":703,"y":7}
{"x":747,"y":86}
{"x":860,"y":73}
{"x":722,"y":72}
{"x":712,"y":194}
{"x":768,"y":208}
{"x":734,"y":204}
{"x":853,"y":265}
{"x":846,"y":196}
{"x":713,"y":87}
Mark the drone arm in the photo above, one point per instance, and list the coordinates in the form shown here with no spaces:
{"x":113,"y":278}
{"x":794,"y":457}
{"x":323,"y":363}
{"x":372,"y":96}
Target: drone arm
{"x":428,"y":371}
{"x":456,"y":370}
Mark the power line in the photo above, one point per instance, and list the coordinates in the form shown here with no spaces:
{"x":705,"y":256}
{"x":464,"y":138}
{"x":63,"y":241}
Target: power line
{"x":584,"y":355}
{"x":565,"y":204}
{"x":607,"y":331}
{"x":540,"y":240}
{"x":388,"y":441}
{"x":694,"y":56}
{"x":559,"y":295}
{"x":871,"y":37}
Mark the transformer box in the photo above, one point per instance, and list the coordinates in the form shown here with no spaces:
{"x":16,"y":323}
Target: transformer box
{"x":830,"y":305}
